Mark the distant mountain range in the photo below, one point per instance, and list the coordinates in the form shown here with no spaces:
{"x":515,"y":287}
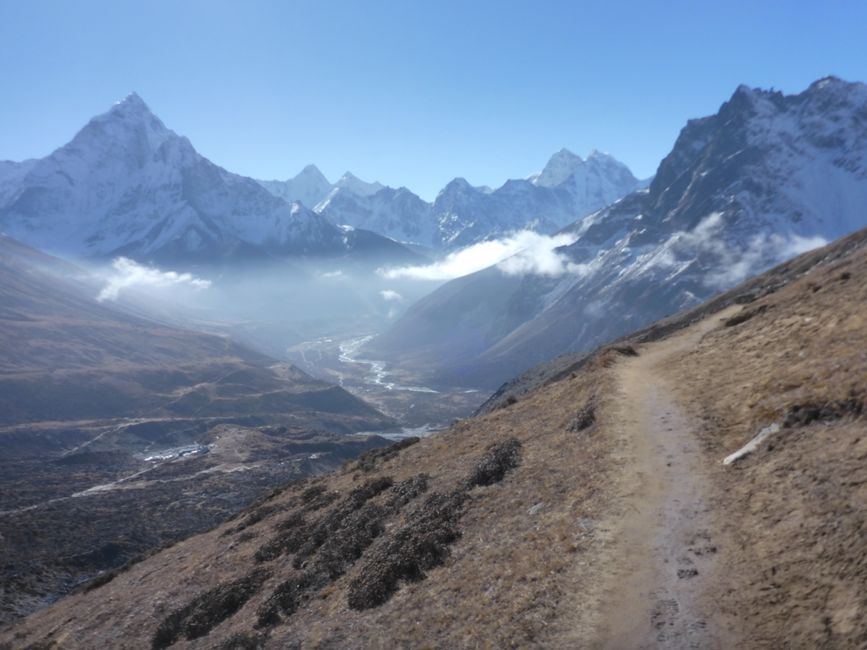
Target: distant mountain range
{"x":766,"y":177}
{"x":567,"y":188}
{"x":127,"y":185}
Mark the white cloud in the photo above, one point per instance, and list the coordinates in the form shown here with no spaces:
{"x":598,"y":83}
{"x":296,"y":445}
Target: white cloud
{"x":519,"y":253}
{"x":733,"y":262}
{"x":332,"y":274}
{"x":391,"y":296}
{"x":128,"y":274}
{"x":762,"y":251}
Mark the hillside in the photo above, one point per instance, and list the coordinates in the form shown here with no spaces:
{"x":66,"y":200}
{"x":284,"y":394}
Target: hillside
{"x":766,"y":177}
{"x":119,"y":433}
{"x":601,"y":489}
{"x":64,"y":355}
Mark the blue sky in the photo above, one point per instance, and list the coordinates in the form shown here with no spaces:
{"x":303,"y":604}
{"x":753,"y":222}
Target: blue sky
{"x":409,"y":92}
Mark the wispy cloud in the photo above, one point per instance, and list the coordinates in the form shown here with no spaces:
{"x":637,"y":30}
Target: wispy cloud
{"x":390,"y":296}
{"x":520,"y":253}
{"x":127,"y":274}
{"x":733,"y":261}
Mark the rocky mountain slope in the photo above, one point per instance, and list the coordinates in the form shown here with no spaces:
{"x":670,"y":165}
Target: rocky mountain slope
{"x":593,"y":510}
{"x":567,"y":188}
{"x":64,"y":355}
{"x":768,"y":176}
{"x":127,"y":185}
{"x":309,"y":187}
{"x":119,"y":433}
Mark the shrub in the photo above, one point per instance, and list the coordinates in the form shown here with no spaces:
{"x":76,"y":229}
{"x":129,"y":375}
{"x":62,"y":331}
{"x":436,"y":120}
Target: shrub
{"x":208,"y":610}
{"x":498,"y":459}
{"x":420,"y":544}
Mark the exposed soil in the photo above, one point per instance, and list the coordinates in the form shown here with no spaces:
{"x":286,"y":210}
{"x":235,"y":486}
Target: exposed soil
{"x":665,"y":589}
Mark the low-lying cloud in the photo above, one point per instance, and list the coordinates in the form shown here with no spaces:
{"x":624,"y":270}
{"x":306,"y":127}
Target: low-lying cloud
{"x":520,"y":253}
{"x":128,"y":274}
{"x":390,"y":295}
{"x":733,"y":261}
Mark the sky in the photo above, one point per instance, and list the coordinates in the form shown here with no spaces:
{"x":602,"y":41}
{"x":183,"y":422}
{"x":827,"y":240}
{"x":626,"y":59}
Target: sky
{"x":409,"y":92}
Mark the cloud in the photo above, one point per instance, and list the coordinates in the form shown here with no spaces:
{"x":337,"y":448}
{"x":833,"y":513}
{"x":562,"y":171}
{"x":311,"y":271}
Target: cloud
{"x":733,"y":261}
{"x":761,"y":252}
{"x":541,"y":258}
{"x":391,"y":296}
{"x":128,"y":274}
{"x":332,"y":274}
{"x":522,"y":252}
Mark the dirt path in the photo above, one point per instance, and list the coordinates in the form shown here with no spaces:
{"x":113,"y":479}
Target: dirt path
{"x":667,"y":545}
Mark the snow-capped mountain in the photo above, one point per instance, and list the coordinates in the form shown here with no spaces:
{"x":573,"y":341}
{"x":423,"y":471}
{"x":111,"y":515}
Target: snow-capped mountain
{"x":765,"y":178}
{"x":351,"y":183}
{"x":312,"y":188}
{"x":309,"y":187}
{"x":568,"y":188}
{"x":395,"y":213}
{"x":127,"y":185}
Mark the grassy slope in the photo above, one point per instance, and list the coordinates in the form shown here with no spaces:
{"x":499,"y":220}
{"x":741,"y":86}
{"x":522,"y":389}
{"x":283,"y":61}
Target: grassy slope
{"x":537,"y":550}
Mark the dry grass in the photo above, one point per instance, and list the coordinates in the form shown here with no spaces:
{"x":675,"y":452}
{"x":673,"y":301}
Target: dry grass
{"x":798,"y":506}
{"x":535,"y":549}
{"x":519,"y":552}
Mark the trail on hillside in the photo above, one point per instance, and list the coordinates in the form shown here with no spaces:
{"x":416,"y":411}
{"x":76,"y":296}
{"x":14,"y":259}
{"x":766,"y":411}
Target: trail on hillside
{"x":669,"y":542}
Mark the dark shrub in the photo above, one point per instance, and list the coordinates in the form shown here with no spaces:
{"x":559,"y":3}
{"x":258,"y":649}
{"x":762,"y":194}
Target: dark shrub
{"x":498,"y":459}
{"x":420,"y":544}
{"x":243,"y":641}
{"x":584,"y":419}
{"x":208,"y":610}
{"x":369,"y":460}
{"x":745,"y":315}
{"x":285,"y":599}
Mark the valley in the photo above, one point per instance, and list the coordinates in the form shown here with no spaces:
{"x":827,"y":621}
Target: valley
{"x":394,"y":392}
{"x":577,"y":409}
{"x":601,"y":486}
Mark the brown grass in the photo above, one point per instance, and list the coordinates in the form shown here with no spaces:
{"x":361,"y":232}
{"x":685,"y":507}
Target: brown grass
{"x":535,"y":550}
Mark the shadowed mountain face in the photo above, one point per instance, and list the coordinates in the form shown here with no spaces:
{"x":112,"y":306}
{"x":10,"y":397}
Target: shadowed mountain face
{"x":119,"y":434}
{"x":64,"y":355}
{"x":127,"y":185}
{"x":766,"y":177}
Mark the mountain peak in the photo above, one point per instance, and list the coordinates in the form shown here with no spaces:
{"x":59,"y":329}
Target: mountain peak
{"x":130,"y":106}
{"x":560,"y":166}
{"x":595,"y":154}
{"x":458,"y":182}
{"x":835,"y":87}
{"x":312,"y":173}
{"x":825,"y":82}
{"x":351,"y":183}
{"x":128,"y":121}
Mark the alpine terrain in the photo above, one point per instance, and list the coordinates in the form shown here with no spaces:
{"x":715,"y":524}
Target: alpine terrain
{"x":462,"y":214}
{"x":120,"y":433}
{"x":698,"y":484}
{"x":768,"y":176}
{"x":127,"y":185}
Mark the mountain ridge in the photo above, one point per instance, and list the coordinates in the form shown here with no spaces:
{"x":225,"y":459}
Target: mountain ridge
{"x":766,"y":177}
{"x":127,"y":185}
{"x":462,"y":214}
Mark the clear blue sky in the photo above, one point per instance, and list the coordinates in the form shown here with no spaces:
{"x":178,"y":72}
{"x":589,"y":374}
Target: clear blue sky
{"x":409,"y":92}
